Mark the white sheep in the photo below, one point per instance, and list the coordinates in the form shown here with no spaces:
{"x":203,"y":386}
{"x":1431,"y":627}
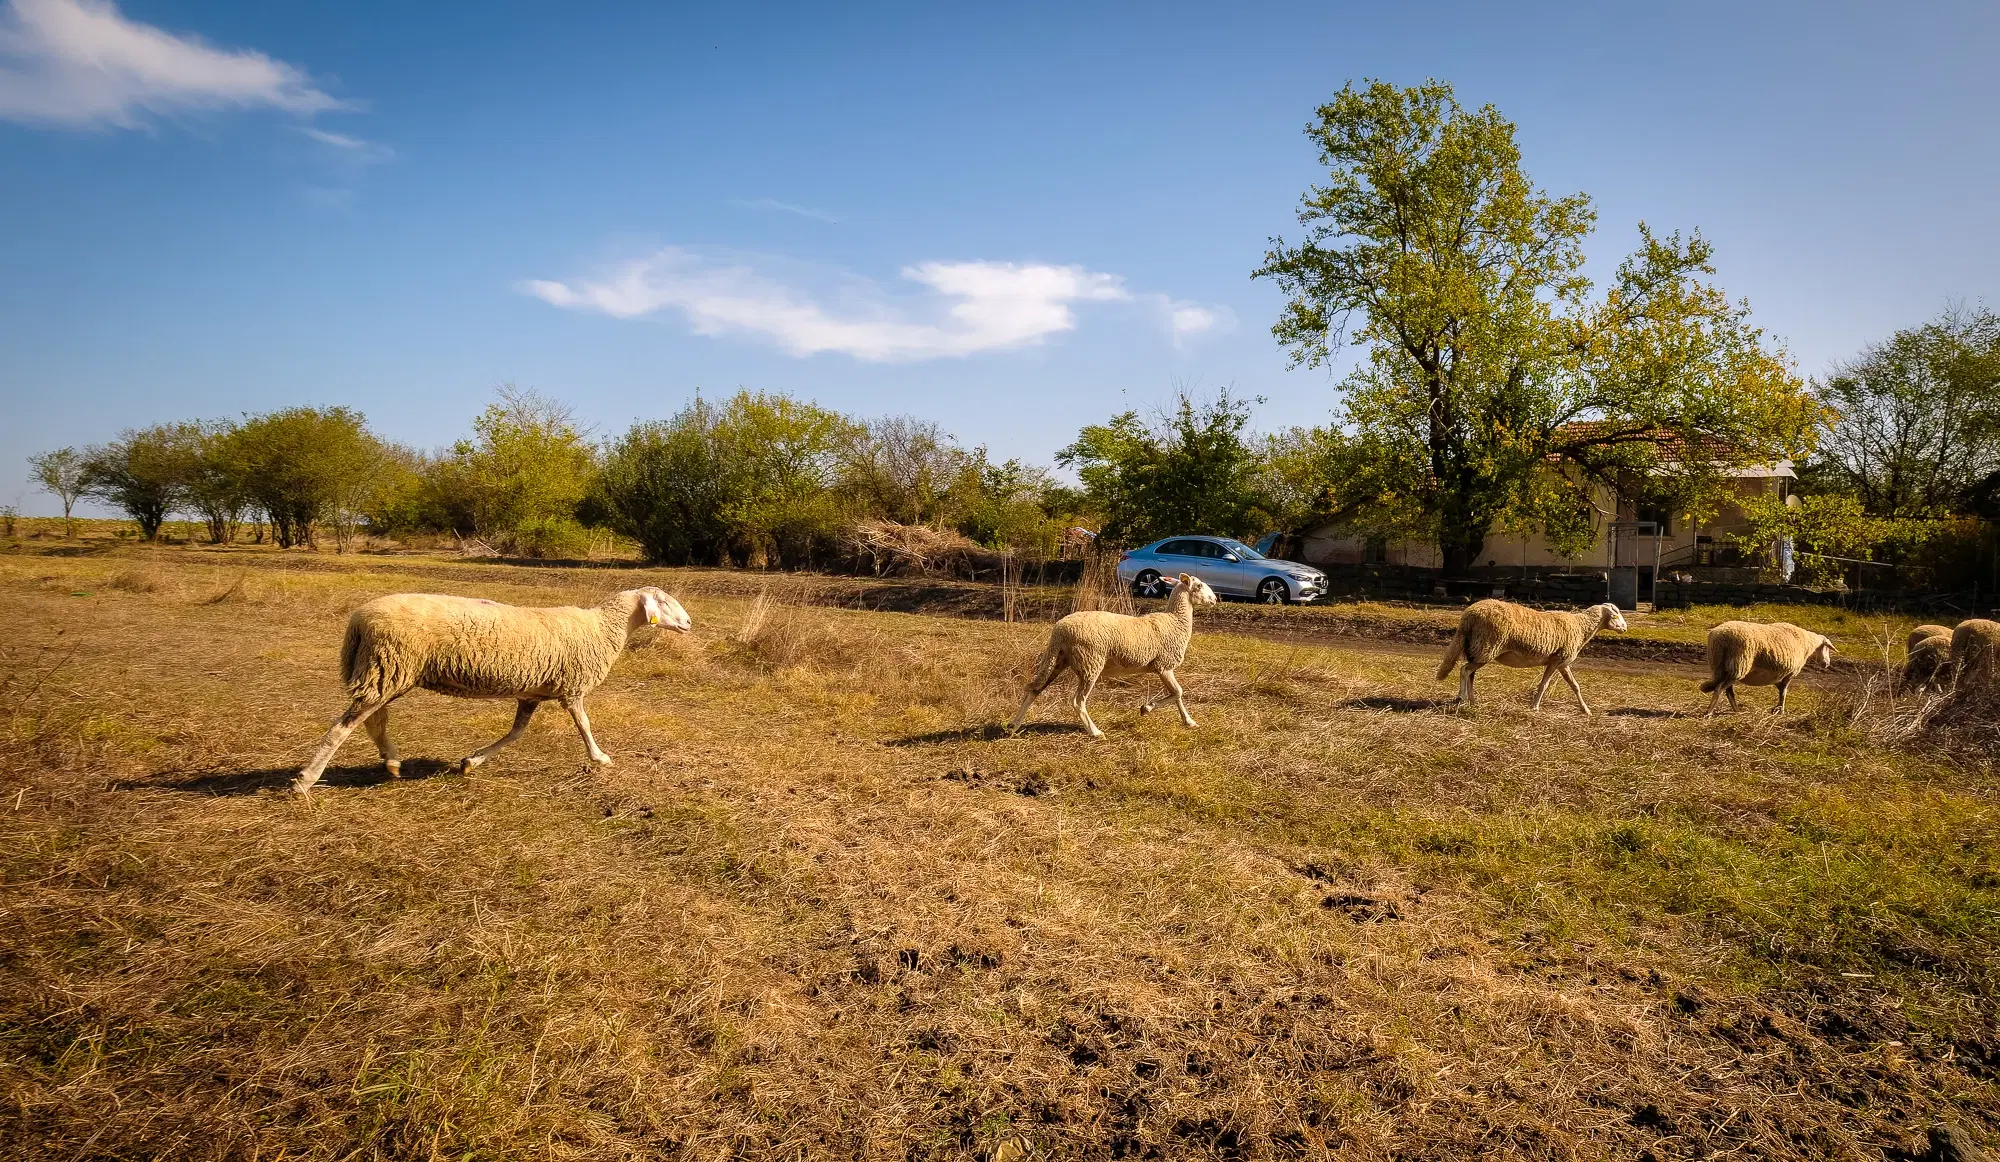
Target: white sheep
{"x":1094,"y":643}
{"x":1513,"y":635}
{"x":1975,"y":646}
{"x":472,"y":648}
{"x":1928,"y":657}
{"x":1749,"y":653}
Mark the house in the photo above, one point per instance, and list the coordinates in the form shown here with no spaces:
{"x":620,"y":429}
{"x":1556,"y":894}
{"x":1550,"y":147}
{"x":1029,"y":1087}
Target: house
{"x":1631,"y":537}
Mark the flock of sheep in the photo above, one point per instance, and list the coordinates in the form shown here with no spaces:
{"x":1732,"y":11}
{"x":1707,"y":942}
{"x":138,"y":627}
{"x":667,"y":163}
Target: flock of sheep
{"x":472,"y":648}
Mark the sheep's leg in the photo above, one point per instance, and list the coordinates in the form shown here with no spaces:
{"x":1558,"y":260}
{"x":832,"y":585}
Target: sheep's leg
{"x":1045,"y":673}
{"x":1166,"y":692}
{"x":357,"y":713}
{"x":1465,"y":685}
{"x":1542,"y":687}
{"x":1731,"y":691}
{"x":378,"y":730}
{"x":523,"y":711}
{"x":1576,"y":689}
{"x":583,"y":728}
{"x":1084,"y":684}
{"x":1180,"y":697}
{"x":1784,"y":684}
{"x":1715,"y":701}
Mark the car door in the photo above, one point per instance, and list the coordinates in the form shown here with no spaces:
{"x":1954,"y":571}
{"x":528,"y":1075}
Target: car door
{"x":1178,"y":557}
{"x":1214,"y":566}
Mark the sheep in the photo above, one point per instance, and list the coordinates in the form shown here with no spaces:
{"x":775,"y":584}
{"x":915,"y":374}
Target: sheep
{"x":1928,"y":663}
{"x":1750,"y":653}
{"x":1513,"y":635}
{"x":1975,"y":646}
{"x":1094,"y":643}
{"x":472,"y":648}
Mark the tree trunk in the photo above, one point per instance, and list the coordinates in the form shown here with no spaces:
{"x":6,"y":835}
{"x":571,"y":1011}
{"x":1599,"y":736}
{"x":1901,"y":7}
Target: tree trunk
{"x":1461,"y":537}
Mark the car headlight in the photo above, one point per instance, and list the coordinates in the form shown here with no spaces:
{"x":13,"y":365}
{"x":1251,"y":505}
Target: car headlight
{"x":1302,"y":575}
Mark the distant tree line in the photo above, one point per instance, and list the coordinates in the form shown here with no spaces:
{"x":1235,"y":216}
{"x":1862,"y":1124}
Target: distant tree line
{"x":1497,"y":389}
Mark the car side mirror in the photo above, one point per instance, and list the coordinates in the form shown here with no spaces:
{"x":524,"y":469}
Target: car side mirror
{"x":1231,"y":557}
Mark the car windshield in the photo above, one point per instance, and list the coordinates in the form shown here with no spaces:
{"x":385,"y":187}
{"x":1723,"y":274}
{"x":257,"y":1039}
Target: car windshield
{"x":1242,"y":550}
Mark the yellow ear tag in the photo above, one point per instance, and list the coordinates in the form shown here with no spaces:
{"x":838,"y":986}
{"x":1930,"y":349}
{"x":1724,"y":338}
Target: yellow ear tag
{"x":652,"y":619}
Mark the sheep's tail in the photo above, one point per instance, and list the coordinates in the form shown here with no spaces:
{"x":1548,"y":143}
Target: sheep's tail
{"x":1046,"y":667}
{"x":1709,"y":686}
{"x":362,"y":670}
{"x":350,"y":654}
{"x":1452,"y":654}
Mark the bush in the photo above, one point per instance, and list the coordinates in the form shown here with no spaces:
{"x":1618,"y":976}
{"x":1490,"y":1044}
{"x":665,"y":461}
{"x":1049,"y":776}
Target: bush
{"x":553,"y":538}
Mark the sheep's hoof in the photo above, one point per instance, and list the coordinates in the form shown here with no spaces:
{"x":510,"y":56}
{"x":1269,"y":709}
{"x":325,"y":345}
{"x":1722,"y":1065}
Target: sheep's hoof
{"x":1189,"y":723}
{"x":602,"y":760}
{"x":301,"y":786}
{"x":466,"y":764}
{"x":1145,"y":710}
{"x":394,"y":767}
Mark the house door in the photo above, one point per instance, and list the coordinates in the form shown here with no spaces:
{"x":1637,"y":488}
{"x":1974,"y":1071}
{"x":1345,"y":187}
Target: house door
{"x":1635,"y":561}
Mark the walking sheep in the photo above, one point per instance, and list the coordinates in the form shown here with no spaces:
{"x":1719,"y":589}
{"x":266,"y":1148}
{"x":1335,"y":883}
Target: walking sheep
{"x":472,"y":648}
{"x":1094,"y":643}
{"x":1513,"y":635}
{"x":1928,"y":660}
{"x":1975,"y":646}
{"x":1749,"y":653}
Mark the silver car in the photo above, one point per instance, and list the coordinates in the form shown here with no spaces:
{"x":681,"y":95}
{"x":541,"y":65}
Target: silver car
{"x":1231,"y":568}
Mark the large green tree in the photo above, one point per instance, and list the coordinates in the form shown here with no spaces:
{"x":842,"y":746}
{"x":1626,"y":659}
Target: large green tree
{"x":144,"y":471}
{"x":1191,"y":471}
{"x":307,"y":467}
{"x":1496,"y":386}
{"x":1914,"y":429}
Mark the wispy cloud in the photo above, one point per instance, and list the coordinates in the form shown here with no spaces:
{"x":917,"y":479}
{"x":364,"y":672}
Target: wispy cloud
{"x":356,"y":150}
{"x":81,"y":63}
{"x":789,"y":208}
{"x":1186,"y":320}
{"x":964,"y":308}
{"x":956,"y":309}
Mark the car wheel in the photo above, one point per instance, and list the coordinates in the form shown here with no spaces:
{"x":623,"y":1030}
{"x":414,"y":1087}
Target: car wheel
{"x":1147,"y":584}
{"x":1274,"y":591}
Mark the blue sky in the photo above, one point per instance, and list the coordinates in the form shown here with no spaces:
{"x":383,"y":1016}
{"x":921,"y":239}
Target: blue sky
{"x":1012,"y":219}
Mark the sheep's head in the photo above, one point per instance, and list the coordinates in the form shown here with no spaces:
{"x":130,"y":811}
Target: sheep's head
{"x":658,"y":607}
{"x":1824,"y":654}
{"x":1198,"y":590}
{"x":1609,"y":617}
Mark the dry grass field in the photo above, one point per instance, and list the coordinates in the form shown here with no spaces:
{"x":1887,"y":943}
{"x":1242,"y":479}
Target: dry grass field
{"x":821,"y":907}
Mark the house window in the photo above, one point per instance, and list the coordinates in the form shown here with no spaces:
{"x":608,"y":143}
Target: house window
{"x":1662,"y":517}
{"x":1375,"y":551}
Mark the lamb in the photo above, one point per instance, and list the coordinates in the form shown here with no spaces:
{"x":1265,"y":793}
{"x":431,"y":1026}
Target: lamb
{"x":1928,"y":660}
{"x":1513,"y":635}
{"x":1094,"y":643}
{"x":1975,"y":646}
{"x":1750,"y":653}
{"x":472,"y":648}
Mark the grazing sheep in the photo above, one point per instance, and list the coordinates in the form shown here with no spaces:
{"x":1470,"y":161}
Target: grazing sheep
{"x":1923,"y":631}
{"x":1094,"y":643}
{"x":1513,"y":635}
{"x":1928,"y":663}
{"x":472,"y":648}
{"x":1749,"y":653}
{"x":1975,"y":645}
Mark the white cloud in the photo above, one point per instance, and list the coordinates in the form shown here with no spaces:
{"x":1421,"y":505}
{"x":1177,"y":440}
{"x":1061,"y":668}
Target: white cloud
{"x":356,"y":150}
{"x":82,"y":63}
{"x":1186,"y":319}
{"x":970,"y":307}
{"x":789,"y":208}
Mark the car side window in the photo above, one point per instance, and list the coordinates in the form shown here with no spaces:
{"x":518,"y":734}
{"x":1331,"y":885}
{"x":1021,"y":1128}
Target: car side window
{"x":1175,"y":549}
{"x":1212,"y":550}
